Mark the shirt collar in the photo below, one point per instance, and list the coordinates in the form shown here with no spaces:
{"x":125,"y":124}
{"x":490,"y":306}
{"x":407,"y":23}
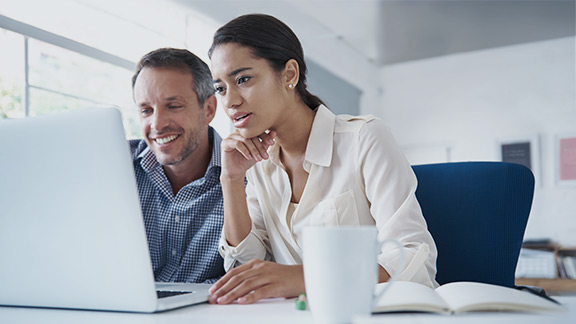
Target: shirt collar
{"x":149,"y":163}
{"x":320,"y":143}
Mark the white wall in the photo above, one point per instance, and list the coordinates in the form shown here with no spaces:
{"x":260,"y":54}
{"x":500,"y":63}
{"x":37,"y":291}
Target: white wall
{"x":457,"y":108}
{"x":449,"y":108}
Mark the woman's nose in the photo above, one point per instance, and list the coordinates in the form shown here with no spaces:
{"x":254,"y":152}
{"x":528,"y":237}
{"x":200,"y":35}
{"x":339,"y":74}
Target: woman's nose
{"x":231,"y":99}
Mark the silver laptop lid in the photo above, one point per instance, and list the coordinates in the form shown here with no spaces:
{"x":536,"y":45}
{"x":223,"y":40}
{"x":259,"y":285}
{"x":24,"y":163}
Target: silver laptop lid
{"x":71,"y":230}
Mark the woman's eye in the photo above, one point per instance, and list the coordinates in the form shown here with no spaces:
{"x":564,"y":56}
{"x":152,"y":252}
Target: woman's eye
{"x":243,"y":79}
{"x":219,"y":90}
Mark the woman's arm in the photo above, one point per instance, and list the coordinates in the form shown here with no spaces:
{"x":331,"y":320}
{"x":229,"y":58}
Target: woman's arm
{"x":383,"y":275}
{"x":256,"y":279}
{"x":238,"y":155}
{"x":237,"y":223}
{"x":390,"y":187}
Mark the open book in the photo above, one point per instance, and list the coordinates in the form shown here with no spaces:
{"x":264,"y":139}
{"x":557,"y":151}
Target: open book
{"x":458,"y":297}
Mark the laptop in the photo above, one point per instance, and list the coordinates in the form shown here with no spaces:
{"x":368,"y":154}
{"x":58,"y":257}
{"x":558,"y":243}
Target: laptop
{"x":71,"y":229}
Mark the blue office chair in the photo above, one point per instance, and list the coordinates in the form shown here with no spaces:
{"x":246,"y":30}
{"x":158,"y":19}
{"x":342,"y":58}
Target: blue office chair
{"x":477,"y":213}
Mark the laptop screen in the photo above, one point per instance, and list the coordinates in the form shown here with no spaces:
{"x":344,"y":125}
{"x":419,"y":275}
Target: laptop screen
{"x":71,"y":230}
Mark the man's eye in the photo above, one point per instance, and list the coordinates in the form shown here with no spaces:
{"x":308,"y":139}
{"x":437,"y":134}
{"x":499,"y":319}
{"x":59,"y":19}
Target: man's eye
{"x":145,"y":111}
{"x":174,"y":106}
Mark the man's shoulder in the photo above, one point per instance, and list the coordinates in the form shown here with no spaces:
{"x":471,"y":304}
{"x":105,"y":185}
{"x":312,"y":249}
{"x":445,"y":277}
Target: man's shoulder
{"x":137,"y":146}
{"x":215,"y":141}
{"x":214,"y":138}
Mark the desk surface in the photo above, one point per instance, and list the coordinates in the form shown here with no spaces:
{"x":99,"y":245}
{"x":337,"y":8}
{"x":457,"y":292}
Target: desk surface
{"x":277,"y":311}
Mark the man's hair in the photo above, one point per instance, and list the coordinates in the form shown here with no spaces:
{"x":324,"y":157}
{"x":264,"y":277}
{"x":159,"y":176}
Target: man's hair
{"x":184,"y":61}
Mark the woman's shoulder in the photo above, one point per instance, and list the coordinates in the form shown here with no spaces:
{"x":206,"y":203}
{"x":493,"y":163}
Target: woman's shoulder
{"x":355,"y":118}
{"x":366,"y":123}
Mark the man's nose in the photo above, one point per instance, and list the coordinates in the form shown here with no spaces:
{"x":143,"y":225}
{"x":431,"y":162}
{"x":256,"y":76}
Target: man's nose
{"x":159,"y":120}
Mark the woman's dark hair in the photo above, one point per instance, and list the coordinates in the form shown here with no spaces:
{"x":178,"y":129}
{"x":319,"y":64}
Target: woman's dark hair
{"x":269,"y":39}
{"x":183,"y":60}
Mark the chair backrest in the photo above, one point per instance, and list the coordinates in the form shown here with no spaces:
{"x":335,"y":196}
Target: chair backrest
{"x":477,"y":213}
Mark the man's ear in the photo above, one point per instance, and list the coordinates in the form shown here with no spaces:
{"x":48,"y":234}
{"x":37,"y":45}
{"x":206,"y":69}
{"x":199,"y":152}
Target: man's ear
{"x":210,"y":105}
{"x":291,"y":74}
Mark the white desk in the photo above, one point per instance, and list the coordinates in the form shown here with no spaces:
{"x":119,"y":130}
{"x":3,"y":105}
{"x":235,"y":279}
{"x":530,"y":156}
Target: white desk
{"x":274,"y":311}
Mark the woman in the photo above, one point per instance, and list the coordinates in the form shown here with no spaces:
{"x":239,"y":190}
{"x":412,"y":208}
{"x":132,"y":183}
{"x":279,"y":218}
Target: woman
{"x":304,"y":167}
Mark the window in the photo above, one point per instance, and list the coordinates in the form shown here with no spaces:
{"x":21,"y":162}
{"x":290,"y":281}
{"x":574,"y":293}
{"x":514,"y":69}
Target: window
{"x":11,"y":75}
{"x":60,"y":80}
{"x":39,"y":78}
{"x":42,"y":71}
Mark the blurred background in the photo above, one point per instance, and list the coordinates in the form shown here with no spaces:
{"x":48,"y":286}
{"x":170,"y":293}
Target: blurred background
{"x":477,"y":80}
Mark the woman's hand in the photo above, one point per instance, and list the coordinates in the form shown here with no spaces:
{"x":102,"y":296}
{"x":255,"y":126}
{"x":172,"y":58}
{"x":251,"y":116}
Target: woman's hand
{"x":239,"y":153}
{"x":256,"y":280}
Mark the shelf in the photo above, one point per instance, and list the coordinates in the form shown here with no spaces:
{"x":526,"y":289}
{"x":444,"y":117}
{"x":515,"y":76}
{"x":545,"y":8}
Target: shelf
{"x":550,"y":285}
{"x":563,"y":281}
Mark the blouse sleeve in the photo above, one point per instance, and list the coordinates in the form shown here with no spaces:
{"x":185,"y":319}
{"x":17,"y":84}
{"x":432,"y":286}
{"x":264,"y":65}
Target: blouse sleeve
{"x":390,"y":188}
{"x":256,"y":244}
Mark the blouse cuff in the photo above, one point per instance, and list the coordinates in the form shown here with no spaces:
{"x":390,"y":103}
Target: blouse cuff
{"x":415,"y":269}
{"x":249,"y":249}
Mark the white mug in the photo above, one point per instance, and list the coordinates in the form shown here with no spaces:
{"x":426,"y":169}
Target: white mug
{"x":341,"y":271}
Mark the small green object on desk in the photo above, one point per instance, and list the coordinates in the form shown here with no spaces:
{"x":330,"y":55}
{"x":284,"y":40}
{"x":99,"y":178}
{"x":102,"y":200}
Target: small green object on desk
{"x":301,"y":302}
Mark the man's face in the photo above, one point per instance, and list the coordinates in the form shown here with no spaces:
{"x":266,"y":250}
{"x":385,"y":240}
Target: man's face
{"x":172,"y":121}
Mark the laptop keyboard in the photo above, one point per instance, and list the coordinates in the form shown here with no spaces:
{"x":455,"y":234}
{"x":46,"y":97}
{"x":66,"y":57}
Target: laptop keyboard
{"x":164,"y":294}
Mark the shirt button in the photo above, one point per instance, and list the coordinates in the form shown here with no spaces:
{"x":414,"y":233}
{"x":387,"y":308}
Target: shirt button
{"x":177,"y":219}
{"x":174,"y":252}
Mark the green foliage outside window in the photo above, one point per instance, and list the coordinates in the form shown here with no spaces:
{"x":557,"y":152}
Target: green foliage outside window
{"x":10,"y":100}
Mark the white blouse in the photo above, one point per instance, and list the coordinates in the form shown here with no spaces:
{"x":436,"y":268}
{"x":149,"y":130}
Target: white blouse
{"x":357,"y":176}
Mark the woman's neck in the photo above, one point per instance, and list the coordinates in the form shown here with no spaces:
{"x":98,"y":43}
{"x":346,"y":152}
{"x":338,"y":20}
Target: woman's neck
{"x":293,"y":132}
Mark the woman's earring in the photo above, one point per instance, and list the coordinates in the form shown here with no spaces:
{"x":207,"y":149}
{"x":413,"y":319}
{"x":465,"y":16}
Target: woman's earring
{"x":290,"y":86}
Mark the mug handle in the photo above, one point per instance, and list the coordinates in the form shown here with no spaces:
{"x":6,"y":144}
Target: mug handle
{"x":398,"y":269}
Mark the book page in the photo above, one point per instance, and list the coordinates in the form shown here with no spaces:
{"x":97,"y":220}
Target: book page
{"x":409,"y":296}
{"x":474,"y":296}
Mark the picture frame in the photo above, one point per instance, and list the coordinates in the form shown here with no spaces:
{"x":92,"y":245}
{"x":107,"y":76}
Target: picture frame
{"x":565,"y":159}
{"x":523,"y":150}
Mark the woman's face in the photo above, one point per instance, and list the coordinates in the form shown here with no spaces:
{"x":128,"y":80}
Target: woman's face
{"x":251,"y":91}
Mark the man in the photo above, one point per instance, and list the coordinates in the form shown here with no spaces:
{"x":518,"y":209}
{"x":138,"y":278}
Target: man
{"x":177,"y":165}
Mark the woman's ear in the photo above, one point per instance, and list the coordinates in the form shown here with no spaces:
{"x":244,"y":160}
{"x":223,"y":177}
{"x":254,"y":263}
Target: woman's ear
{"x":291,"y":74}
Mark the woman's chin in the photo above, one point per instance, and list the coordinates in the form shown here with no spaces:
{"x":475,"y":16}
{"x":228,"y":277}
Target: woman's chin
{"x":250,"y":132}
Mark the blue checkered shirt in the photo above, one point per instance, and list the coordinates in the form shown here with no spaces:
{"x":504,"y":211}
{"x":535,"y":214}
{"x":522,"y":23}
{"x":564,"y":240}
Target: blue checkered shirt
{"x":183,"y":230}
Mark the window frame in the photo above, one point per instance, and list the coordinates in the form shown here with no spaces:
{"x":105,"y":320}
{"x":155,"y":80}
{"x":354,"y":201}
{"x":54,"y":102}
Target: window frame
{"x":29,"y":31}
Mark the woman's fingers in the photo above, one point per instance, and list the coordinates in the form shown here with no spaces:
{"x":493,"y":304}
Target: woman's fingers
{"x":257,"y":280}
{"x":267,"y":138}
{"x":242,"y":288}
{"x":261,"y":143}
{"x":242,"y":281}
{"x":258,"y":151}
{"x":222,"y":281}
{"x":235,"y":142}
{"x":230,"y":281}
{"x":262,"y":292}
{"x":251,"y":148}
{"x":216,"y":287}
